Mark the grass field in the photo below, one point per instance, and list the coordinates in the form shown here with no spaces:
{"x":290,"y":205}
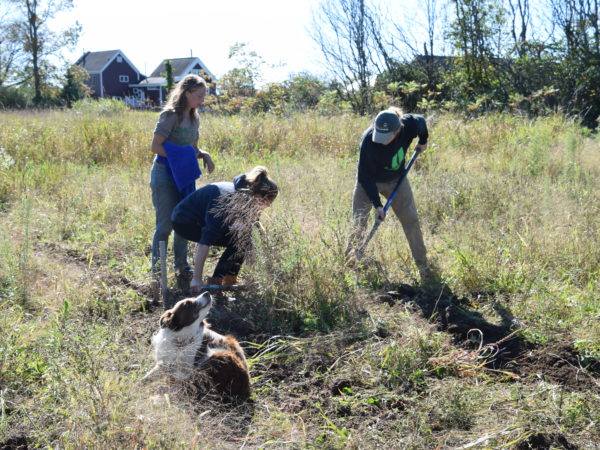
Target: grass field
{"x":504,"y":354}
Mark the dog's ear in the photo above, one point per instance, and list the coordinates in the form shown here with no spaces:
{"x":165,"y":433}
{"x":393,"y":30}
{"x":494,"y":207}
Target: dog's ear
{"x":166,"y":320}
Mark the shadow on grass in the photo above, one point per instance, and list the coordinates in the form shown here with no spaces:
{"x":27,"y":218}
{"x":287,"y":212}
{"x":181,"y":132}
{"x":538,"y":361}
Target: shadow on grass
{"x":452,"y":314}
{"x":558,"y":362}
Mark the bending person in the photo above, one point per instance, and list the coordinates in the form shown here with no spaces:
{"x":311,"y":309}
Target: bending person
{"x":383,"y":150}
{"x":224,"y":214}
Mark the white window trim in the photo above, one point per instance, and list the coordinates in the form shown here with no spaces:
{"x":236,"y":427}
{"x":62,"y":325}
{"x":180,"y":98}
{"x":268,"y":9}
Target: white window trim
{"x":124,"y":78}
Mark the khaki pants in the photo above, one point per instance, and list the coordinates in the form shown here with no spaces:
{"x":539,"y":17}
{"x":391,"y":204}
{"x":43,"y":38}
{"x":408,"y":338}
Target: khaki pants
{"x":405,"y":209}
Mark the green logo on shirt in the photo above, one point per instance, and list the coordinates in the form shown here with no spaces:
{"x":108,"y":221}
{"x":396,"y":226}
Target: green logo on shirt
{"x":397,"y":160}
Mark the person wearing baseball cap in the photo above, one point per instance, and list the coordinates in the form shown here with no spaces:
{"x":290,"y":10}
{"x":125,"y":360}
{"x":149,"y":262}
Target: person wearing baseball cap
{"x":383,"y":150}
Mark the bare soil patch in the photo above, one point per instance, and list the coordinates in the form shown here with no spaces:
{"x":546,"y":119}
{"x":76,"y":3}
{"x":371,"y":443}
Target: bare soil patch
{"x":557,"y":362}
{"x":560,"y":363}
{"x":545,"y":441}
{"x":312,"y":369}
{"x":16,"y":442}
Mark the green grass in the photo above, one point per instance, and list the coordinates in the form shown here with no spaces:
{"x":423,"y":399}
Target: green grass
{"x":510,"y":212}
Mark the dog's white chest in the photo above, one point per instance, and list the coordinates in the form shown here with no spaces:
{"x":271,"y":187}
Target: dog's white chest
{"x":177,"y":351}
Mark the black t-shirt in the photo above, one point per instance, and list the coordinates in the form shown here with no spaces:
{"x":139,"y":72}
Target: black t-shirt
{"x":378,"y":163}
{"x":198,"y":209}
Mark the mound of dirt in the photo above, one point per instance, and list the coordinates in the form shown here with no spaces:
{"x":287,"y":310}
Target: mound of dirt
{"x":469,"y":328}
{"x":558,"y":363}
{"x":226,"y":320}
{"x":16,"y":442}
{"x":545,"y":441}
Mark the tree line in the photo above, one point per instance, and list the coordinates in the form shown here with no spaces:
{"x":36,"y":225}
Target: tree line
{"x":469,"y":56}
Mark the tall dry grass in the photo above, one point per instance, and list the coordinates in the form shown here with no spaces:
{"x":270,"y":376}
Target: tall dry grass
{"x":510,"y":212}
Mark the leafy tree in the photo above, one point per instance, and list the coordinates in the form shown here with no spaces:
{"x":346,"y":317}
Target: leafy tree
{"x":304,"y":91}
{"x":169,"y":75}
{"x":242,"y":79}
{"x":39,"y":43}
{"x":75,"y":87}
{"x":12,"y":97}
{"x":578,"y":22}
{"x":239,"y":85}
{"x":528,"y":66}
{"x":238,"y":82}
{"x":476,"y":35}
{"x":272,"y":98}
{"x":331,"y":102}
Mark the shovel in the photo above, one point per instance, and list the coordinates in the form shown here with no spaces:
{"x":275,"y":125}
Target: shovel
{"x":360,"y":250}
{"x":223,"y":287}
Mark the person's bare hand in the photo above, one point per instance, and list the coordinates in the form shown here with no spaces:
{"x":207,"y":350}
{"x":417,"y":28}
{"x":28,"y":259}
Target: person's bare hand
{"x":209,"y":165}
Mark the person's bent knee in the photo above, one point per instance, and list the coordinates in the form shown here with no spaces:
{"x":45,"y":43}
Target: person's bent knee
{"x":188,"y":231}
{"x":162,"y":234}
{"x":360,"y":219}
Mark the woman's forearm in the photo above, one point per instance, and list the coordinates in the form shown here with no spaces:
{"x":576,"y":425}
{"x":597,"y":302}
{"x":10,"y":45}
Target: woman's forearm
{"x":157,"y":145}
{"x":199,"y":260}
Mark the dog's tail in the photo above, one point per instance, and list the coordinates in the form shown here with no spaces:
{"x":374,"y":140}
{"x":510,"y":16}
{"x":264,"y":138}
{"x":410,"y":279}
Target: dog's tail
{"x":228,"y":342}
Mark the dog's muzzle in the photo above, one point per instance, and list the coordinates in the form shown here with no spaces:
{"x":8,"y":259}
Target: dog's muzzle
{"x":204,"y":300}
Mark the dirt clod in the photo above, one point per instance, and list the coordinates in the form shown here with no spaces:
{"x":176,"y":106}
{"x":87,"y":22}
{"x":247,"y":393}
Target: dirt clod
{"x":16,"y":442}
{"x":559,"y":363}
{"x":545,"y":441}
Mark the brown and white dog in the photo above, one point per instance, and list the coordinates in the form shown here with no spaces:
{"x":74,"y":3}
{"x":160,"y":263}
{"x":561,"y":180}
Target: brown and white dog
{"x":188,"y":350}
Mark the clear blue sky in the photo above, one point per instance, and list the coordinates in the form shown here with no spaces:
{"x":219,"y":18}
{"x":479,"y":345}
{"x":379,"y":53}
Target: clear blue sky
{"x":149,"y":31}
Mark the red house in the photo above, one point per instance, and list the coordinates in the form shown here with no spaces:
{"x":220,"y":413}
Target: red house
{"x":111,"y":74}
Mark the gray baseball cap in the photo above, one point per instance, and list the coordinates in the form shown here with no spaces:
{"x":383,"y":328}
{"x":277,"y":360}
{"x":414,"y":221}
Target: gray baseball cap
{"x":386,"y":124}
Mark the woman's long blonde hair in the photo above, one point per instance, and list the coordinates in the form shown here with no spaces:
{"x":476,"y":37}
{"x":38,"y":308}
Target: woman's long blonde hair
{"x":177,"y":101}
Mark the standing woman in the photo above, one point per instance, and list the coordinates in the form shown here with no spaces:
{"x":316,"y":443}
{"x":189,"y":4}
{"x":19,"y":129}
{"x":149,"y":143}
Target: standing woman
{"x":178,"y":124}
{"x":224,"y":214}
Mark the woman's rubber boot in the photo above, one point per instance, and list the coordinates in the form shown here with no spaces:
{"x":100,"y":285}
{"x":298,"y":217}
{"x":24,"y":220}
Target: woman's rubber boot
{"x":230,"y":280}
{"x":214,"y":280}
